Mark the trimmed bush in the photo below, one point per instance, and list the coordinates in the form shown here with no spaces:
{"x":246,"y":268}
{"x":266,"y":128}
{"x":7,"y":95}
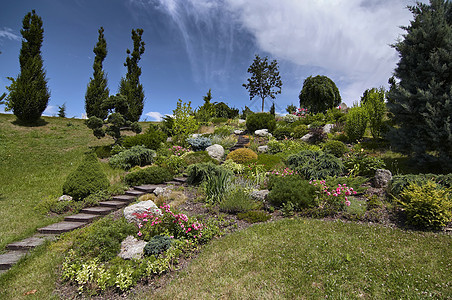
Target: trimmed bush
{"x":135,"y":156}
{"x":400,"y":182}
{"x":151,"y":139}
{"x":337,"y":148}
{"x":88,"y":178}
{"x":150,"y":175}
{"x":254,"y":216}
{"x":270,"y":162}
{"x":198,"y":157}
{"x":260,"y":121}
{"x":426,"y":206}
{"x":199,"y":143}
{"x":237,"y":201}
{"x":198,"y":173}
{"x":282,"y":133}
{"x":292,"y":189}
{"x":157,"y":245}
{"x":315,"y":164}
{"x":300,"y":130}
{"x":242,"y":155}
{"x":356,"y":123}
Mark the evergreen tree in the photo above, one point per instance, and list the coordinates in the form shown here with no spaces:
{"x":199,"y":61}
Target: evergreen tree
{"x":373,"y":101}
{"x":420,"y":99}
{"x":28,"y":93}
{"x":62,"y":111}
{"x":130,"y":85}
{"x":318,"y":94}
{"x":97,"y":91}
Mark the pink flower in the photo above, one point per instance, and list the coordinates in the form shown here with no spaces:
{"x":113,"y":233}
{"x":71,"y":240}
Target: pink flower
{"x":139,"y":233}
{"x":347,"y":203}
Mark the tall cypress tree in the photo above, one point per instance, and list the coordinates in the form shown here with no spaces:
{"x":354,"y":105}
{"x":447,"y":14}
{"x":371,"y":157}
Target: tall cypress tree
{"x":130,"y":85}
{"x":28,"y":93}
{"x":97,"y":91}
{"x":420,"y":101}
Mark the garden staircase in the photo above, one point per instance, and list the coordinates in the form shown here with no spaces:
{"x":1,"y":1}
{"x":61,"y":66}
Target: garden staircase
{"x":241,"y":142}
{"x":15,"y":251}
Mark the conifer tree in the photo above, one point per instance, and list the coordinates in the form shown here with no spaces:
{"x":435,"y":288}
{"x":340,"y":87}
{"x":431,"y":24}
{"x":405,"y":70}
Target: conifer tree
{"x":130,"y":85}
{"x":97,"y":91}
{"x":28,"y":93}
{"x":420,"y":98}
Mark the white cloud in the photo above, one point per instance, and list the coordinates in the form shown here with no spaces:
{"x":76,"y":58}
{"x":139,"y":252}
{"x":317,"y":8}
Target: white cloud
{"x":9,"y":34}
{"x":154,"y":115}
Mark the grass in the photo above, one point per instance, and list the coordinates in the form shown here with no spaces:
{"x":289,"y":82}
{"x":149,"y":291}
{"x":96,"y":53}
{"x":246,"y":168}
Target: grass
{"x":315,"y":259}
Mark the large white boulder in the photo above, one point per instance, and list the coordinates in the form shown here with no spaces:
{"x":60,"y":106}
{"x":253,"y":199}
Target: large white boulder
{"x":131,"y":248}
{"x":139,"y":208}
{"x":262,"y":132}
{"x":216,"y":152}
{"x":262,"y":149}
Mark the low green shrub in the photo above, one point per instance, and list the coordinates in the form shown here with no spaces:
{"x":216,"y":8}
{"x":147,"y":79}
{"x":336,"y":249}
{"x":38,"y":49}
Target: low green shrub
{"x":260,"y":121}
{"x":88,"y":178}
{"x":361,"y":164}
{"x":175,"y":164}
{"x":354,"y":182}
{"x":317,"y":135}
{"x":336,"y":148}
{"x":198,"y":157}
{"x":151,"y":139}
{"x":426,"y":206}
{"x":300,"y":130}
{"x":200,"y":172}
{"x":103,"y":151}
{"x":282,"y":133}
{"x":157,"y":245}
{"x":225,"y":141}
{"x":223,"y":131}
{"x":216,"y":186}
{"x":149,"y":175}
{"x":236,"y":201}
{"x":242,"y":155}
{"x":229,"y":164}
{"x":356,"y":123}
{"x":254,"y":216}
{"x":315,"y":164}
{"x":269,"y":162}
{"x":135,"y":156}
{"x":292,"y":189}
{"x":400,"y":182}
{"x":219,"y":120}
{"x":199,"y":143}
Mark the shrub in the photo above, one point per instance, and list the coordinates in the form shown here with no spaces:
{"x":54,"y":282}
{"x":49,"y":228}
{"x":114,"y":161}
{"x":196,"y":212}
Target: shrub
{"x":291,"y":189}
{"x":260,"y":121}
{"x":242,"y":155}
{"x":282,"y":133}
{"x":270,"y":162}
{"x":135,"y":156}
{"x":219,"y":120}
{"x":229,"y":164}
{"x":200,"y":172}
{"x":254,"y":216}
{"x":175,"y":164}
{"x":222,"y":131}
{"x":151,"y":139}
{"x":225,"y":141}
{"x":198,"y":157}
{"x":237,"y":201}
{"x":157,"y":245}
{"x":199,"y":143}
{"x":315,"y":164}
{"x":363,"y":165}
{"x":217,"y":185}
{"x":317,"y":135}
{"x":300,"y":130}
{"x":336,"y":148}
{"x":88,"y":178}
{"x":290,"y":118}
{"x":150,"y":175}
{"x":400,"y":182}
{"x":103,"y":151}
{"x":426,"y":206}
{"x":356,"y":123}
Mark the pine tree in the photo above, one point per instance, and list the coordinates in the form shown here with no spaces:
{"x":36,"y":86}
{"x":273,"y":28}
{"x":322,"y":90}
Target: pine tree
{"x":28,"y":93}
{"x":97,"y":91}
{"x":420,"y":99}
{"x":130,"y":85}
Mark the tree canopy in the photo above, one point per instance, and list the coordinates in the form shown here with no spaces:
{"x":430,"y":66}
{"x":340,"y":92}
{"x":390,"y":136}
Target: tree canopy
{"x":265,"y":80}
{"x":318,"y":94}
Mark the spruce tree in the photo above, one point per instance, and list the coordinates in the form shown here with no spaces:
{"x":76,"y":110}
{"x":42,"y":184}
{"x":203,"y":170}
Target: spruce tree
{"x":28,"y":93}
{"x":130,"y":85}
{"x":97,"y":91}
{"x":420,"y":98}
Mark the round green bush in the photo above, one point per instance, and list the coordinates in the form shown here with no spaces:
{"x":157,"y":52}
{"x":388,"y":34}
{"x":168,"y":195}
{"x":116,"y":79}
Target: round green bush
{"x":315,"y":164}
{"x":150,"y":175}
{"x":300,"y":130}
{"x":337,"y":148}
{"x":282,"y":133}
{"x":151,"y":139}
{"x":242,"y":155}
{"x":88,"y":178}
{"x":157,"y":245}
{"x":191,"y":158}
{"x":292,"y":189}
{"x":198,"y":173}
{"x":135,"y":156}
{"x":260,"y":121}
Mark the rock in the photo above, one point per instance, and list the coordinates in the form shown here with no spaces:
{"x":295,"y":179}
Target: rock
{"x":241,"y":121}
{"x":327,"y":128}
{"x":382,"y":178}
{"x":216,"y":152}
{"x":169,"y":139}
{"x":164,"y":191}
{"x":306,"y":137}
{"x":139,"y":208}
{"x":262,"y":149}
{"x":131,"y":248}
{"x":259,"y":195}
{"x":196,"y":135}
{"x":65,"y":198}
{"x":262,"y":133}
{"x":238,"y":132}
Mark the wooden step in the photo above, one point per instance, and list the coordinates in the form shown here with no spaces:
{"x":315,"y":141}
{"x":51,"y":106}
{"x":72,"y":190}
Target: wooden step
{"x":113,"y":203}
{"x":61,"y":227}
{"x":81,"y":217}
{"x":97,"y":210}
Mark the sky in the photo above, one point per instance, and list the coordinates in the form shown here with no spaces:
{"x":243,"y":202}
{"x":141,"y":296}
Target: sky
{"x":196,"y":45}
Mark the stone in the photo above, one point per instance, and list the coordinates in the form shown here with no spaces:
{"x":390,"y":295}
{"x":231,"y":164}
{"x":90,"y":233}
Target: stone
{"x":241,"y":121}
{"x":327,"y":128}
{"x":262,"y":133}
{"x":259,"y":195}
{"x":216,"y":152}
{"x":164,"y":191}
{"x":306,"y":137}
{"x":382,"y":178}
{"x":65,"y":198}
{"x":196,"y":135}
{"x":262,"y":149}
{"x":238,"y":132}
{"x":139,"y":208}
{"x":131,"y":248}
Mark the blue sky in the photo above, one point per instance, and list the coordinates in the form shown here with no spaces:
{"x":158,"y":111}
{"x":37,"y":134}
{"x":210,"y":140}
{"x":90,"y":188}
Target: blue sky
{"x":196,"y":45}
